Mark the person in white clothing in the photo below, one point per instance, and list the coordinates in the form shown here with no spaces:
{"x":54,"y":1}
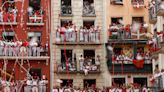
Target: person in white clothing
{"x":81,"y":34}
{"x":15,"y":13}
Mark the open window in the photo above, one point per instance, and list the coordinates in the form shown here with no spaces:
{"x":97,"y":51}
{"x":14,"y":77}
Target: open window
{"x":88,"y":8}
{"x":117,"y":51}
{"x":89,"y":83}
{"x":137,"y":3}
{"x":138,"y":20}
{"x":67,"y":82}
{"x":65,"y":23}
{"x":117,"y":2}
{"x":116,"y":20}
{"x":118,"y":81}
{"x":141,"y":81}
{"x":89,"y":53}
{"x":88,"y":24}
{"x":9,"y":36}
{"x":36,"y":73}
{"x":67,"y":60}
{"x":8,"y":5}
{"x":31,"y":35}
{"x":66,"y":7}
{"x":35,"y":4}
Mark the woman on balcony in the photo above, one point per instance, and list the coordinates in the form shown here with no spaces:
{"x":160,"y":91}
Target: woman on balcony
{"x":81,"y":34}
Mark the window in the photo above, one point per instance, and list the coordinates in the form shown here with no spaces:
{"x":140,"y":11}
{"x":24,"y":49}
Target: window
{"x":8,"y":6}
{"x":66,"y":7}
{"x":35,"y":4}
{"x":88,"y":7}
{"x":36,"y":72}
{"x":9,"y":36}
{"x":117,"y":51}
{"x":89,"y":53}
{"x":65,"y":23}
{"x":67,"y":82}
{"x":140,"y":50}
{"x":141,"y":81}
{"x":66,"y":56}
{"x":89,"y":83}
{"x":116,"y":21}
{"x":118,"y":81}
{"x":117,"y":2}
{"x":138,"y":20}
{"x":88,"y":24}
{"x":34,"y":34}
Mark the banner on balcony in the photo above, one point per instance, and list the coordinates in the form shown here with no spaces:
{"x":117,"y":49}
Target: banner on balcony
{"x":138,"y":63}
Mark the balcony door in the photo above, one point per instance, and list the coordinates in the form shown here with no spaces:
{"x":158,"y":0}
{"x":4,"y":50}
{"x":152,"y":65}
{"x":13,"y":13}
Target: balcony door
{"x":89,"y":83}
{"x":140,"y":80}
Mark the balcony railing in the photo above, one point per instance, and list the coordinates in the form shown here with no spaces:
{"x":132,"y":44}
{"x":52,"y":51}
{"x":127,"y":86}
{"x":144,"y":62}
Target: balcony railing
{"x":66,"y":35}
{"x":15,"y":49}
{"x":8,"y":18}
{"x":119,"y":32}
{"x":119,"y":59}
{"x":130,"y":68}
{"x":67,"y":67}
{"x":138,"y":3}
{"x":89,"y":66}
{"x":83,"y":36}
{"x":35,"y":19}
{"x":117,"y":2}
{"x":160,"y":8}
{"x":152,"y":14}
{"x":89,"y":36}
{"x":66,"y":10}
{"x":36,"y":85}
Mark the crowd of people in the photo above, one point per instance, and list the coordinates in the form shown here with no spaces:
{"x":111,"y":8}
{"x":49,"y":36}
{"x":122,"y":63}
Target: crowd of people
{"x":22,"y":48}
{"x":90,"y":35}
{"x":69,"y":34}
{"x":132,"y":88}
{"x":88,"y":64}
{"x":8,"y":14}
{"x":122,"y":58}
{"x":28,"y":85}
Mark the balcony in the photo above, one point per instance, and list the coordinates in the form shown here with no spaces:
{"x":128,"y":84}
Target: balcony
{"x":66,"y":11}
{"x":35,"y":19}
{"x":65,"y":68}
{"x":37,"y":85}
{"x":70,"y":36}
{"x":130,"y":68}
{"x":118,"y":32}
{"x":66,"y":36}
{"x":117,"y":2}
{"x":89,"y":36}
{"x":160,"y":8}
{"x":8,"y":18}
{"x":152,"y":15}
{"x":88,"y":67}
{"x":138,"y":3}
{"x":124,"y":63}
{"x":11,"y":51}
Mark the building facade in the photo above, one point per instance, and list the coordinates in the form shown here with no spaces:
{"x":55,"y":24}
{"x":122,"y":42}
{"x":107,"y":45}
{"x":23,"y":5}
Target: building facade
{"x":156,"y":18}
{"x":128,"y":54}
{"x":77,"y":48}
{"x":24,"y":38}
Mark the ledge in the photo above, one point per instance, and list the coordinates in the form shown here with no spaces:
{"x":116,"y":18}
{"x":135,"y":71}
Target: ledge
{"x":8,"y":23}
{"x":35,"y":24}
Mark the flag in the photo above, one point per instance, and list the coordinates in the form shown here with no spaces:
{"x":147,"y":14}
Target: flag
{"x":138,"y":63}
